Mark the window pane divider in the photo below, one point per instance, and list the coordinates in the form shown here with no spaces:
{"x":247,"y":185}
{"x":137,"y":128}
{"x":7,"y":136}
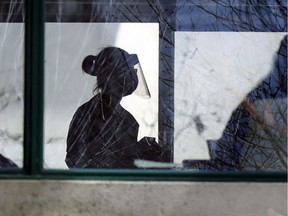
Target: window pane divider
{"x":150,"y":175}
{"x":34,"y":86}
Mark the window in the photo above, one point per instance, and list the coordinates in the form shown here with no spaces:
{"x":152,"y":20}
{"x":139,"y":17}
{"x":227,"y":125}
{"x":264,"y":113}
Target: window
{"x":214,"y":73}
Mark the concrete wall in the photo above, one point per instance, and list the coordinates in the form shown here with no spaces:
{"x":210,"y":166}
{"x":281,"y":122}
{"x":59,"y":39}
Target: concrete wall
{"x":69,"y":198}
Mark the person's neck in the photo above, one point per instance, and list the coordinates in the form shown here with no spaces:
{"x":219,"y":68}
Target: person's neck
{"x":109,"y":100}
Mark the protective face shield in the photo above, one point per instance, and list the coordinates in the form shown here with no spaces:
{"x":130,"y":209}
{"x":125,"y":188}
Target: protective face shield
{"x":113,"y":57}
{"x":142,"y":88}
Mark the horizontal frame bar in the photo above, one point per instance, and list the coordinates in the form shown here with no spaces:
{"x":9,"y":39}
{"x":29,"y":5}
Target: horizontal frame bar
{"x":153,"y":175}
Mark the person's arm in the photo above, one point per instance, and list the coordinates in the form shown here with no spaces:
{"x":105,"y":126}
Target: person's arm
{"x":76,"y":141}
{"x":149,"y":149}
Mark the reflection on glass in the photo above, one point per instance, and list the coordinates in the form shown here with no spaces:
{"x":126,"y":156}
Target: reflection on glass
{"x":222,"y":115}
{"x":11,"y":94}
{"x":67,"y":87}
{"x":231,"y":92}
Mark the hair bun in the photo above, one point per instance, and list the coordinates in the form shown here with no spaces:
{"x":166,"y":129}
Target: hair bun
{"x":89,"y":65}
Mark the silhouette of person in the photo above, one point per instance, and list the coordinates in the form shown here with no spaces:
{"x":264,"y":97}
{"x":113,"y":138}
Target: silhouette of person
{"x":102,"y":134}
{"x":6,"y":162}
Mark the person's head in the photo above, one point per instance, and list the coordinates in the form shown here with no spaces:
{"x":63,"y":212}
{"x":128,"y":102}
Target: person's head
{"x":114,"y":69}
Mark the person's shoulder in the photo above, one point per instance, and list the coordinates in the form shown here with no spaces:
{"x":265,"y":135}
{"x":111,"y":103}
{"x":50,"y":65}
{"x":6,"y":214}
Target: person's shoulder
{"x":87,"y":107}
{"x":93,"y":102}
{"x":128,"y":117}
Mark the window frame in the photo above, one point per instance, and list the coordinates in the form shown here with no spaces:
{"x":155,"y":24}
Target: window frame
{"x":33,"y":125}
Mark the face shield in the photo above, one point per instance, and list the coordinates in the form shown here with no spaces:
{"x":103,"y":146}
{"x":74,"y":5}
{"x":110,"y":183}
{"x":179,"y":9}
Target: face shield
{"x":116,"y":58}
{"x":142,"y":89}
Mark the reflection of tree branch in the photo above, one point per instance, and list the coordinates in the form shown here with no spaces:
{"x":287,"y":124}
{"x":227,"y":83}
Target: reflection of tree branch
{"x":240,"y":15}
{"x":131,"y":12}
{"x":163,"y":20}
{"x":7,"y":135}
{"x":7,"y":97}
{"x":157,"y":11}
{"x":269,"y":120}
{"x":274,"y":142}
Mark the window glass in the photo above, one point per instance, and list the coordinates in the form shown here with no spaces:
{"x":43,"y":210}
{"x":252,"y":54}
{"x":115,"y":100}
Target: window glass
{"x":231,"y":85}
{"x":240,"y":106}
{"x":68,"y":88}
{"x":194,"y":85}
{"x":11,"y":85}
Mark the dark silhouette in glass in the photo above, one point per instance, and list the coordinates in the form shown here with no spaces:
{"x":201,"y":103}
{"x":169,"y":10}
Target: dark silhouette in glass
{"x":102,"y":134}
{"x":6,"y":162}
